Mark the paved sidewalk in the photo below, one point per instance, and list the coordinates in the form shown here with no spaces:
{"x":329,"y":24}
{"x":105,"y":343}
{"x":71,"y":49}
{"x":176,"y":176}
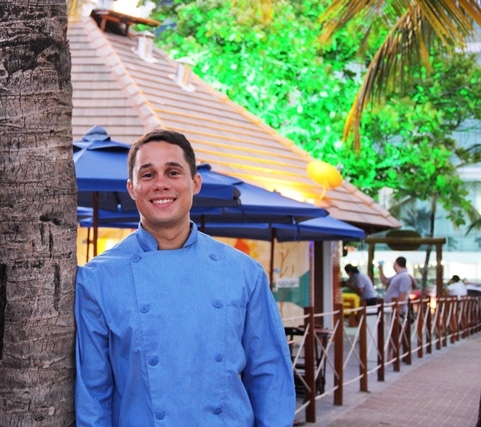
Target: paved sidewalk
{"x":441,"y":389}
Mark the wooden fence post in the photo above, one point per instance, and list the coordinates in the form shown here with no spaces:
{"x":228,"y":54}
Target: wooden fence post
{"x":445,"y":328}
{"x":395,"y":336}
{"x":310,"y":364}
{"x":406,"y":334}
{"x":338,"y":353}
{"x":363,"y":347}
{"x":381,"y":357}
{"x":419,"y":329}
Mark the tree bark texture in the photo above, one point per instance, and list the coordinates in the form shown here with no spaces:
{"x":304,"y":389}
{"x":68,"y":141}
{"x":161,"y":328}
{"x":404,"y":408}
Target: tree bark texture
{"x":37,"y":216}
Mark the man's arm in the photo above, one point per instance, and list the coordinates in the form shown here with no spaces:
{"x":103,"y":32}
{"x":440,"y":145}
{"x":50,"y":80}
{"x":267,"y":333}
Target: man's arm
{"x":268,"y":375}
{"x":93,"y":385}
{"x":383,"y":278}
{"x":354,"y":288}
{"x":353,"y":284}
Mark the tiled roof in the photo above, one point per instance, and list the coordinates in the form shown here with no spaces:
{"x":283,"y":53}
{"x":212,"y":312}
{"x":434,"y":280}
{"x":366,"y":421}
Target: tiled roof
{"x":128,"y":96}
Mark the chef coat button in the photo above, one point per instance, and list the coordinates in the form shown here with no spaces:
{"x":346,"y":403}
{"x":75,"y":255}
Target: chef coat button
{"x":153,"y":361}
{"x":217,"y":303}
{"x":218,"y":357}
{"x":135,"y":258}
{"x":213,"y":257}
{"x":160,"y":415}
{"x":217,"y":411}
{"x":144,"y":308}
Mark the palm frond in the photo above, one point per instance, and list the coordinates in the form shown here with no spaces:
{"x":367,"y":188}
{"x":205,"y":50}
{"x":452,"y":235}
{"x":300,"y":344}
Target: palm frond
{"x":475,"y":219}
{"x":420,"y":24}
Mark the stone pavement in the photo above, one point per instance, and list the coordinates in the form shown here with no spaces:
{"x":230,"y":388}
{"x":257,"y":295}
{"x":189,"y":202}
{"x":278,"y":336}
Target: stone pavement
{"x":441,"y":389}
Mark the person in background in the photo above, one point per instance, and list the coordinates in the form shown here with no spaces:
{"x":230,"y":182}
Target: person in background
{"x":361,"y":284}
{"x":456,"y":287}
{"x":398,"y":286}
{"x":174,"y":327}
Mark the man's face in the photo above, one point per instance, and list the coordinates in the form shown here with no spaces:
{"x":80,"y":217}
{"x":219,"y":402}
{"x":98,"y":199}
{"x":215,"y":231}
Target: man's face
{"x":162,"y":186}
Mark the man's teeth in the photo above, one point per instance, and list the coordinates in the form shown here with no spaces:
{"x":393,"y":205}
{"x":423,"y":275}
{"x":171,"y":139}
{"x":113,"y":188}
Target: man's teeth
{"x":162,"y":202}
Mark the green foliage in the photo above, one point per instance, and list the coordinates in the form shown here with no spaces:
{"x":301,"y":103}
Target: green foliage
{"x":419,"y":125}
{"x":276,"y":71}
{"x":279,"y":71}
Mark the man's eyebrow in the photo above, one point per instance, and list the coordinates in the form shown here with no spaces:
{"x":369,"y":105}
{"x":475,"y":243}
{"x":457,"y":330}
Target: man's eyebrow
{"x":175,"y":164}
{"x":171,"y":164}
{"x":145,"y":166}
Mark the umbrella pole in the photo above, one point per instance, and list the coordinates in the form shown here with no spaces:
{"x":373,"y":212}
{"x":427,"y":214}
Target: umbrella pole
{"x":88,"y":244}
{"x":96,"y":220}
{"x":271,"y":266}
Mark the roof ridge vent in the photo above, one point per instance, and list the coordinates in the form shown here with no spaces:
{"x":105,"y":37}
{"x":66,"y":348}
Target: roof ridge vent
{"x":183,"y":74}
{"x":145,"y":46}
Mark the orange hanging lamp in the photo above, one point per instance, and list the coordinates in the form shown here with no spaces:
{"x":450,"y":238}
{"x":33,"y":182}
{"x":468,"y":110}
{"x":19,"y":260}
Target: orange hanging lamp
{"x":324,"y":174}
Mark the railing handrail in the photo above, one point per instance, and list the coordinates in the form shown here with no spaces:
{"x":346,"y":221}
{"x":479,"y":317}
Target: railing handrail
{"x":393,"y":335}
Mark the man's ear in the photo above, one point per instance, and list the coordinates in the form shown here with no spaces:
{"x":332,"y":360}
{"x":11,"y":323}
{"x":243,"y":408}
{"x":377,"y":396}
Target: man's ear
{"x":197,"y":183}
{"x":130,"y":189}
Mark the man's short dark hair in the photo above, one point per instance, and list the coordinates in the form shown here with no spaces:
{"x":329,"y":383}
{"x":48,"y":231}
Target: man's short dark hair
{"x":401,"y":261}
{"x":456,"y":278}
{"x":169,"y":136}
{"x":349,"y":268}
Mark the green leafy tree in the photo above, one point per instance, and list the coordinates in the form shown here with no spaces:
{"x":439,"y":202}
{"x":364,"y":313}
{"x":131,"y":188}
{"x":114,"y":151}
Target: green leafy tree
{"x":416,"y":27}
{"x":422,"y":120}
{"x":273,"y":69}
{"x":420,"y":125}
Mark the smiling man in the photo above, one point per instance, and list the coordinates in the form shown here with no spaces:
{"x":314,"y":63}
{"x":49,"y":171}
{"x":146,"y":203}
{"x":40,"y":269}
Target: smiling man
{"x":173,"y":327}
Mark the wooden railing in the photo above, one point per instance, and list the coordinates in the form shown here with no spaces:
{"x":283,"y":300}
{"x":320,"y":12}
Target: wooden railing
{"x":325,"y":360}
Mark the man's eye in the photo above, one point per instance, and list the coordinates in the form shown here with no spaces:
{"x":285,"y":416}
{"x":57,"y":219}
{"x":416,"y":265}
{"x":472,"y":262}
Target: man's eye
{"x":146,"y":175}
{"x":174,"y":173}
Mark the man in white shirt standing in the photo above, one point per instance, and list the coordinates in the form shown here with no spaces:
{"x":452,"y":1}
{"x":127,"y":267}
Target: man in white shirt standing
{"x":456,"y":287}
{"x":399,"y":286}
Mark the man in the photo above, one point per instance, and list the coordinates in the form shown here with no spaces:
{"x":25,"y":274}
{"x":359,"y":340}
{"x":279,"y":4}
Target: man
{"x":456,"y":287}
{"x":399,"y":286}
{"x":174,"y":327}
{"x":361,"y":284}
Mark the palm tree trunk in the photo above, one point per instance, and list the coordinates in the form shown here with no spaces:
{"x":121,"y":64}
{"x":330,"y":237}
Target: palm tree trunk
{"x":424,"y":282}
{"x":37,"y":216}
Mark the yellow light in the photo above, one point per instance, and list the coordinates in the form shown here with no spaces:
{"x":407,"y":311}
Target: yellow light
{"x":324,"y":174}
{"x":292,"y":194}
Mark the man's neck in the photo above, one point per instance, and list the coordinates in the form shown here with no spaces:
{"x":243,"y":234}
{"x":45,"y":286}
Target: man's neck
{"x":170,"y":239}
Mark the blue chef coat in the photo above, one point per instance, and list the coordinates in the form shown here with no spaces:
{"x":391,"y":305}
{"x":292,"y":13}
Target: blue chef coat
{"x":187,"y":337}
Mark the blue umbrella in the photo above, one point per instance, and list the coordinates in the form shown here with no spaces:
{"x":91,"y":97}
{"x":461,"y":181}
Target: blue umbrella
{"x":258,"y":205}
{"x":323,"y":228}
{"x":101,"y":171}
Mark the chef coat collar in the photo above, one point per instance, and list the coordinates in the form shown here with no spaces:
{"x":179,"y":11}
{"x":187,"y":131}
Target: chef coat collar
{"x":148,"y":242}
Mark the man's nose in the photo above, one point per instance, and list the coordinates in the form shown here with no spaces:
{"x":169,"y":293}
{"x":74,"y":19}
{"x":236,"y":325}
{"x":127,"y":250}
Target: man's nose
{"x":161,"y":182}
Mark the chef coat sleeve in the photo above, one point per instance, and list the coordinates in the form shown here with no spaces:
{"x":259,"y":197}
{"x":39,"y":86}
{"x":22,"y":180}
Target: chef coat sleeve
{"x":93,"y":386}
{"x":268,"y":375}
